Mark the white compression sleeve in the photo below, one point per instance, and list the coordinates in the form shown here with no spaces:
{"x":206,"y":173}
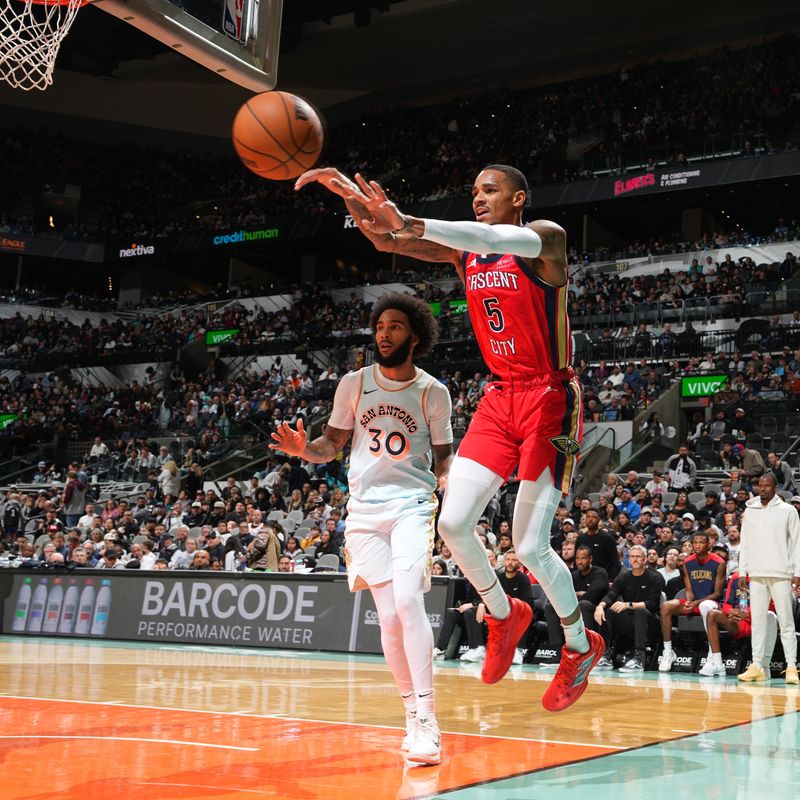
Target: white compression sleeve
{"x":478,"y":237}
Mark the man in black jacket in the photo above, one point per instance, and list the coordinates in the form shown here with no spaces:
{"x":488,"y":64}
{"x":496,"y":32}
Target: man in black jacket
{"x":631,"y":608}
{"x":591,"y":585}
{"x":601,"y":543}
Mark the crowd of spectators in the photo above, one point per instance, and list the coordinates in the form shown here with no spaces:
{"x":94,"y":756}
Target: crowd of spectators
{"x":595,"y":299}
{"x":630,"y":369}
{"x":237,"y":526}
{"x":55,"y":407}
{"x":652,"y":113}
{"x":298,"y":511}
{"x":313,"y":314}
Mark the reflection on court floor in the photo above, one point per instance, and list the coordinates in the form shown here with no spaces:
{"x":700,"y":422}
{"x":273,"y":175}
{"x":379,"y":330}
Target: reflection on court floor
{"x":89,"y":720}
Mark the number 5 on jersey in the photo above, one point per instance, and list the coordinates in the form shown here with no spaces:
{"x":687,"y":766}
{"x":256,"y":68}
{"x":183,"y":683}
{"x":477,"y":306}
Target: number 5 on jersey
{"x":495,"y":315}
{"x":394,"y":443}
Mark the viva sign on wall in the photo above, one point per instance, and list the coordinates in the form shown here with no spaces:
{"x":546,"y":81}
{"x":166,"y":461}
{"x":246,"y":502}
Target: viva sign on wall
{"x":702,"y":385}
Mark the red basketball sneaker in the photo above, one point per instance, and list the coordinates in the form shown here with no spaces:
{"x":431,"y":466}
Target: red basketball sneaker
{"x":502,"y":639}
{"x":572,"y":678}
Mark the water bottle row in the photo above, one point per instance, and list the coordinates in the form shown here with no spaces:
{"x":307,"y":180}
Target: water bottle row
{"x":71,"y":610}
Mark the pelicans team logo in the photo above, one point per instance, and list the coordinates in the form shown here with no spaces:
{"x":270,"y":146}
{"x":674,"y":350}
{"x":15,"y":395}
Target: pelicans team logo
{"x":565,"y":445}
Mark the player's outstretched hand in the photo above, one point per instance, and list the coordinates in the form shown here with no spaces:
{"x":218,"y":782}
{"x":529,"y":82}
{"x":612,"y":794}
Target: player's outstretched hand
{"x":291,"y":442}
{"x":331,"y":178}
{"x":386,"y":216}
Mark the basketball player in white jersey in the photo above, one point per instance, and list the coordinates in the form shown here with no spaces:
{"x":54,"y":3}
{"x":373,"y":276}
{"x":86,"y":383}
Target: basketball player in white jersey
{"x":397,"y":414}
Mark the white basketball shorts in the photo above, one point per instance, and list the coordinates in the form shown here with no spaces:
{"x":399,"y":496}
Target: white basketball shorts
{"x":381,"y":539}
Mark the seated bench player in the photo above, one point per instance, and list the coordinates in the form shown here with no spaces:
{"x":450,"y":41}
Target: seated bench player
{"x":703,"y":579}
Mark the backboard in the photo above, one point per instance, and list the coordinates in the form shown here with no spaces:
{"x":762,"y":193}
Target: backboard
{"x":238,"y":39}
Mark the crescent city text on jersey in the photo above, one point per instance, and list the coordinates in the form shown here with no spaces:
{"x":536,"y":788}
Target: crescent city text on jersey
{"x":492,"y":279}
{"x":389,"y":410}
{"x":495,"y":279}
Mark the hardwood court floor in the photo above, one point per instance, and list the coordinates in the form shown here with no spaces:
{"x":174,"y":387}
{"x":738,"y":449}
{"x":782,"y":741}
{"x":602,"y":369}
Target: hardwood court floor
{"x":88,"y":720}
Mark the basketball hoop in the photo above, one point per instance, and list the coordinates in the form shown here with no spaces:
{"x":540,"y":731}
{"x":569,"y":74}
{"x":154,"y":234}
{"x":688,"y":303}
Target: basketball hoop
{"x":31,"y":31}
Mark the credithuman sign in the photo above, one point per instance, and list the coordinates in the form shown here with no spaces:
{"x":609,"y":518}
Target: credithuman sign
{"x":238,"y":237}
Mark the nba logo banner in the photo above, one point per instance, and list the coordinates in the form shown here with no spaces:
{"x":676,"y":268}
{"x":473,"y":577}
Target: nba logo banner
{"x":233,"y":19}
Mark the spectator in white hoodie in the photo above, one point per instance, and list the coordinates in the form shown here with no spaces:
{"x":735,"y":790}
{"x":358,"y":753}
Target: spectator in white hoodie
{"x":770,"y":556}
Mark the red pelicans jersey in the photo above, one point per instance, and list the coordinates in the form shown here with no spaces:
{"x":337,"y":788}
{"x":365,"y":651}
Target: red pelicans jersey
{"x":520,"y":322}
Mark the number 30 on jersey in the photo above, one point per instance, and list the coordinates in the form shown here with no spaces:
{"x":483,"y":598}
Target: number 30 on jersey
{"x":394,"y":443}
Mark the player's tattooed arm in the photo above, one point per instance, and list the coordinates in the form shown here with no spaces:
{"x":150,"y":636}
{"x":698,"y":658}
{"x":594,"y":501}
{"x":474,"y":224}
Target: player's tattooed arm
{"x":321,"y":450}
{"x":442,"y":459}
{"x":406,"y":244}
{"x":552,"y":265}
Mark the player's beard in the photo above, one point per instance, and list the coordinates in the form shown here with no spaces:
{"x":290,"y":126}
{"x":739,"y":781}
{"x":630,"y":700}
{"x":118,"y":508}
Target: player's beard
{"x":398,"y":356}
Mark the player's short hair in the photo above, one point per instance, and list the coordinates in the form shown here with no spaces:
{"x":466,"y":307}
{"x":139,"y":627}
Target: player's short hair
{"x":700,"y":535}
{"x":639,"y":549}
{"x":420,"y":317}
{"x":518,"y":180}
{"x":586,"y":548}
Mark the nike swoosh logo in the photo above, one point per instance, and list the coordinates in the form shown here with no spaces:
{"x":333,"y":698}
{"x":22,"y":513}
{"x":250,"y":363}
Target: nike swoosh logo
{"x":369,"y":391}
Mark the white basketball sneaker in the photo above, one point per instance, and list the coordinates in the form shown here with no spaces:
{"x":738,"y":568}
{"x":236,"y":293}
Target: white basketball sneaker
{"x":712,"y":668}
{"x":408,"y":739}
{"x":426,"y":744}
{"x":668,"y":658}
{"x":475,"y":654}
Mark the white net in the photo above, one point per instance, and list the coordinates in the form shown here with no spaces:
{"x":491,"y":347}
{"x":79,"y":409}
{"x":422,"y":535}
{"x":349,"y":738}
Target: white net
{"x":30,"y":35}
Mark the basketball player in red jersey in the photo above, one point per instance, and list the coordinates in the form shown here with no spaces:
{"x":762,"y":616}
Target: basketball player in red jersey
{"x":530,"y":419}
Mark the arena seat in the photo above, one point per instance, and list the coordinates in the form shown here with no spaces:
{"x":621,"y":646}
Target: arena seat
{"x":792,"y":425}
{"x":779,"y":442}
{"x":327,"y":562}
{"x":768,"y":426}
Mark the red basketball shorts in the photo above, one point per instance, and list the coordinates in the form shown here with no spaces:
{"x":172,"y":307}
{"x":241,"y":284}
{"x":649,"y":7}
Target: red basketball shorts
{"x":692,"y":612}
{"x":743,"y":628}
{"x":528,"y":427}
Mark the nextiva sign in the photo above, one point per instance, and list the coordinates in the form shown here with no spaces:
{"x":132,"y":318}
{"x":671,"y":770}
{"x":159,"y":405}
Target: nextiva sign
{"x":702,"y":385}
{"x":241,"y":237}
{"x":137,"y":250}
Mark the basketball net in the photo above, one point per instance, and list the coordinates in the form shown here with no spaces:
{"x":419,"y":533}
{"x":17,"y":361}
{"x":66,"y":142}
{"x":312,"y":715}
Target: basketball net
{"x":31,"y":31}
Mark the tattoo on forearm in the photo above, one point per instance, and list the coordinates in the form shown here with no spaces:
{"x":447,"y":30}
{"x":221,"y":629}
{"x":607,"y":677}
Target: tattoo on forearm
{"x":424,"y":250}
{"x":320,"y":451}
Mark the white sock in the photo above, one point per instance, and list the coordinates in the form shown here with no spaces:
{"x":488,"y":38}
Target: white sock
{"x":410,"y":701}
{"x":495,"y":598}
{"x":575,"y":637}
{"x":717,"y":658}
{"x":425,"y":703}
{"x":667,"y":647}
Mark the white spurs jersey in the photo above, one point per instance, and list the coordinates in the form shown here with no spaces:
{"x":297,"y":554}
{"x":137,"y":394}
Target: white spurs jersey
{"x":394,"y":425}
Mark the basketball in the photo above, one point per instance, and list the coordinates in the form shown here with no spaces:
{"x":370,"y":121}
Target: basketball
{"x":277,"y":135}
